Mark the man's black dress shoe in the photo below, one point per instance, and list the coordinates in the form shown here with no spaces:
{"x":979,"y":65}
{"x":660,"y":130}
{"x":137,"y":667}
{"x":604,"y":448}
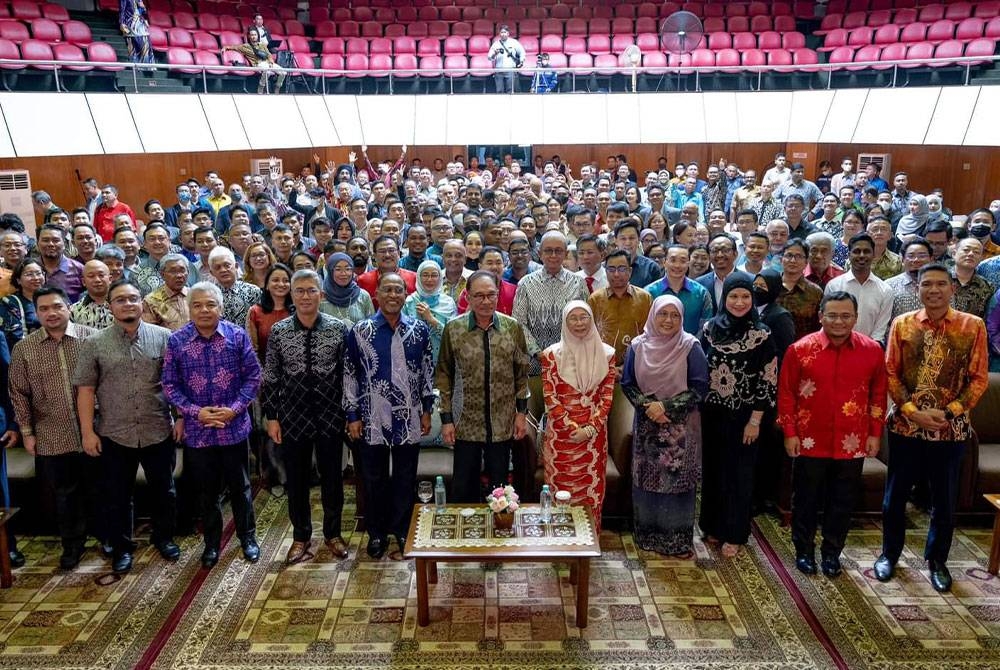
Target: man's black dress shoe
{"x":251,"y":550}
{"x":71,"y":557}
{"x":884,"y":568}
{"x":830,"y":566}
{"x":122,"y":563}
{"x":168,"y":550}
{"x":209,"y":558}
{"x":940,"y":577}
{"x":16,"y":558}
{"x":376,"y":547}
{"x":806,"y":564}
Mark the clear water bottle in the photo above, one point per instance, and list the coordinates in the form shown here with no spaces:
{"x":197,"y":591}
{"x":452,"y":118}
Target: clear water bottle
{"x":440,"y":499}
{"x":546,"y":503}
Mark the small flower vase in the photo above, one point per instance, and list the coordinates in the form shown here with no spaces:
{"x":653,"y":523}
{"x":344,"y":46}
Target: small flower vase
{"x":503,"y":520}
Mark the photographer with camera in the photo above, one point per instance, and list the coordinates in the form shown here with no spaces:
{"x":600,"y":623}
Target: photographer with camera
{"x":507,"y":55}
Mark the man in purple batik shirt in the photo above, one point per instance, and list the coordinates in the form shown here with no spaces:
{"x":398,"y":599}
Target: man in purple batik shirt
{"x":211,"y":375}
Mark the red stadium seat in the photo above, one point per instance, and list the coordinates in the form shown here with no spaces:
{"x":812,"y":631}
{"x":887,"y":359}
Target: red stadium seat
{"x":941,"y":31}
{"x":859,"y":37}
{"x":480,"y":66}
{"x":793,"y":40}
{"x":607,"y":64}
{"x":583,"y":61}
{"x":866,"y":54}
{"x":970,"y":29}
{"x":932,"y":13}
{"x":718,"y":41}
{"x":648,"y":10}
{"x":371,"y":29}
{"x":887,"y":34}
{"x":600,"y":27}
{"x":461,"y":29}
{"x":714,"y":25}
{"x":46,"y":30}
{"x":455,"y":46}
{"x":738,"y":24}
{"x":103,"y":53}
{"x":15,"y":31}
{"x":55,"y":12}
{"x":879,"y":18}
{"x":575,"y":45}
{"x":553,"y":27}
{"x":743,"y":41}
{"x":231,"y":23}
{"x":356,"y":45}
{"x":178,"y":56}
{"x":210,"y":58}
{"x":230,"y":39}
{"x":332,"y":45}
{"x":753,"y":58}
{"x":331,"y":62}
{"x":406,"y":14}
{"x":78,"y":33}
{"x":891,"y":52}
{"x":983,"y":47}
{"x":779,"y":59}
{"x":624,"y":11}
{"x":917,"y":52}
{"x":356,"y":66}
{"x":482,"y":27}
{"x":341,"y":14}
{"x":951,"y":49}
{"x":180,"y":38}
{"x":185,"y":20}
{"x":70,"y":52}
{"x":379,"y":65}
{"x":529,"y":28}
{"x":655,"y":62}
{"x":648,"y":42}
{"x":294,"y":28}
{"x":25,"y":10}
{"x":854,"y":20}
{"x":429,"y":46}
{"x":204,"y":42}
{"x":362,"y":14}
{"x":759,"y":24}
{"x":385,"y":15}
{"x":758,"y":9}
{"x":431,"y":66}
{"x":552,"y":43}
{"x":784,"y":23}
{"x":913,"y":32}
{"x":405,"y":62}
{"x":456,"y":65}
{"x":298,"y":44}
{"x":448,"y":13}
{"x":834,"y":39}
{"x":318,"y":15}
{"x":599,"y":44}
{"x":576,"y":27}
{"x":471,"y":14}
{"x":992,"y":29}
{"x":209,"y":23}
{"x":830,"y":22}
{"x":395,"y":31}
{"x":703,"y":58}
{"x":841,"y":55}
{"x":622,"y":26}
{"x":603,"y":12}
{"x":646,"y":25}
{"x":987,"y":10}
{"x":804,"y":58}
{"x":379,"y":45}
{"x":621,"y":42}
{"x":680,"y":63}
{"x":158,"y":38}
{"x":479,"y":45}
{"x":349,"y":29}
{"x":418,"y":29}
{"x":768,"y":40}
{"x":958,"y":11}
{"x":427,"y":14}
{"x":904,"y":16}
{"x":728,"y":60}
{"x":530,"y":44}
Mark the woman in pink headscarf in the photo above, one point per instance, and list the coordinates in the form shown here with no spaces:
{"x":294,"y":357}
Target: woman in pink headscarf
{"x":578,"y":380}
{"x":665,"y":376}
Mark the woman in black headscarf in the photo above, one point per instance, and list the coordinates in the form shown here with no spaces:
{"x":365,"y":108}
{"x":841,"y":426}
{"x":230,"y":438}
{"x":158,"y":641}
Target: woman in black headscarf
{"x":766,"y":289}
{"x":743,"y":377}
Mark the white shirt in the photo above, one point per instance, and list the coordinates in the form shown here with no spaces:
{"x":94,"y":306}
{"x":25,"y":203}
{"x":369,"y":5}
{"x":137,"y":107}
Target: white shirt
{"x":600,"y":278}
{"x":874,"y":303}
{"x":501,"y":53}
{"x":777,"y":176}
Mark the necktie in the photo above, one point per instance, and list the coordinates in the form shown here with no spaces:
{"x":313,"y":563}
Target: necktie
{"x":590,"y":284}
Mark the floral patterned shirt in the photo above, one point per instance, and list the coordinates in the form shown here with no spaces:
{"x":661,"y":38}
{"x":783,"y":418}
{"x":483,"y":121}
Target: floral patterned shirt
{"x":832,"y":398}
{"x":743,"y":375}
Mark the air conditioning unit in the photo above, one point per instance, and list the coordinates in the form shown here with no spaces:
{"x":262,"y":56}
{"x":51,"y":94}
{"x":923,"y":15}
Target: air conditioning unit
{"x":15,"y":197}
{"x":262,"y":166}
{"x":882,"y":160}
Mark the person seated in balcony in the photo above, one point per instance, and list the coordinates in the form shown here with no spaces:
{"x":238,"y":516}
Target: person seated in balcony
{"x":133,"y":19}
{"x":255,"y":50}
{"x":545,"y":78}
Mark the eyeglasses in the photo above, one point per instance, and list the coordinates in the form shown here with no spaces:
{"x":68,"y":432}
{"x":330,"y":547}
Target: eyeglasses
{"x":127,"y":300}
{"x":302,"y":292}
{"x":617,"y":269}
{"x":553,"y":252}
{"x":34,"y":274}
{"x":793,"y":257}
{"x":385,"y":252}
{"x":481,"y":297}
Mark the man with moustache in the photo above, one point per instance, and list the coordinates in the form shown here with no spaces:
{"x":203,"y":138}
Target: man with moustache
{"x":119,"y":370}
{"x":93,"y":308}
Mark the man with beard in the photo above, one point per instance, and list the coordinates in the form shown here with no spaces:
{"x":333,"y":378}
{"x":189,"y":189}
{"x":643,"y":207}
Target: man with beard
{"x":357,"y":249}
{"x":125,"y":362}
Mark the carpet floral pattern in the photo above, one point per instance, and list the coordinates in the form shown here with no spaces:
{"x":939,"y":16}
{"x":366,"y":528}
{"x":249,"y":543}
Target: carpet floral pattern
{"x":646,"y":611}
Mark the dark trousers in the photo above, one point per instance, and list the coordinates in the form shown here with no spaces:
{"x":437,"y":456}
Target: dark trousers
{"x":468,"y":465}
{"x":212,"y":469}
{"x":66,"y":476}
{"x":297,"y":455}
{"x":505,"y":81}
{"x":828,"y":483}
{"x":120,"y":465}
{"x":388,"y":498}
{"x":909,"y":460}
{"x":726,"y":476}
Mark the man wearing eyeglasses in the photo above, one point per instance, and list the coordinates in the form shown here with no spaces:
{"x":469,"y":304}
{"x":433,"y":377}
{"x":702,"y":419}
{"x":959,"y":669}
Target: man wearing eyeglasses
{"x":119,"y":370}
{"x":385,"y":250}
{"x":301,"y":395}
{"x":620,"y":309}
{"x":488,"y":352}
{"x":798,"y":295}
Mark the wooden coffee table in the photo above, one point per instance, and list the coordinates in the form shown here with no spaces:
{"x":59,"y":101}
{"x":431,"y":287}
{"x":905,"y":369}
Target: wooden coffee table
{"x":994,"y":565}
{"x":452,"y":537}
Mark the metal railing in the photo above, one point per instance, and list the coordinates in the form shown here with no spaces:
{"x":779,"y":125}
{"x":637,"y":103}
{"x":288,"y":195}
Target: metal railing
{"x":394,"y":75}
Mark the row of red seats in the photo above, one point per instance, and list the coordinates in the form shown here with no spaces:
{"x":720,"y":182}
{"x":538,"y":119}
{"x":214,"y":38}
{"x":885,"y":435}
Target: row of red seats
{"x":929,"y":14}
{"x":919,"y":51}
{"x":46,"y":30}
{"x":717,"y":8}
{"x":285,"y":11}
{"x":101,"y":54}
{"x":212,"y":22}
{"x":937,"y":32}
{"x":840,"y":6}
{"x":26,"y":10}
{"x":162,"y":40}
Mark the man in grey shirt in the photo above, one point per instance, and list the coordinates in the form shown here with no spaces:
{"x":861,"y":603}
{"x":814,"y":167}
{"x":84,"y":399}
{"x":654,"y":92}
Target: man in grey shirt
{"x":119,"y":370}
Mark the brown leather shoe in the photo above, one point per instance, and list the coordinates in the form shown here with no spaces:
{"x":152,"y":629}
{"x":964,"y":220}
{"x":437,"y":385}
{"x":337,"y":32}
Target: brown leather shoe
{"x":337,"y":547}
{"x":297,"y":551}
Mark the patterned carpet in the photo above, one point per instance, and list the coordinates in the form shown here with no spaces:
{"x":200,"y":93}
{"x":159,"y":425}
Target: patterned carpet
{"x":754,"y":611}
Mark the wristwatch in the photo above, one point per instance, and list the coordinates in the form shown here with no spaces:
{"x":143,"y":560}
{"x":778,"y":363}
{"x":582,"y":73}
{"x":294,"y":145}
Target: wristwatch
{"x":949,"y":415}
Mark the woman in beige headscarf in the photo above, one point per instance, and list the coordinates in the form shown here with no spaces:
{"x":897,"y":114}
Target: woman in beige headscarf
{"x":578,"y":380}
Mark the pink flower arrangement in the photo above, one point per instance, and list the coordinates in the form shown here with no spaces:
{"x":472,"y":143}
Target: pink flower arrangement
{"x":503,"y":499}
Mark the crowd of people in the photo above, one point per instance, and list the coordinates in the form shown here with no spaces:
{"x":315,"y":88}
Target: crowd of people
{"x":345,"y":304}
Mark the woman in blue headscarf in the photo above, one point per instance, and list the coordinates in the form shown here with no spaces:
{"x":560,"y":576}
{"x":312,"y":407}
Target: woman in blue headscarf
{"x":343,"y":298}
{"x":430,"y":302}
{"x":134,"y":23}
